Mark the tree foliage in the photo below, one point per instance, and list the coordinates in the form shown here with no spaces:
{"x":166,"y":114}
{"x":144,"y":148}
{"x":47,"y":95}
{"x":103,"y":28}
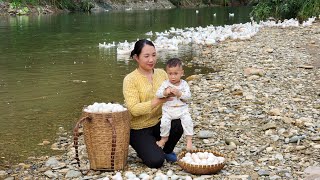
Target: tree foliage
{"x":285,"y":9}
{"x":71,"y":5}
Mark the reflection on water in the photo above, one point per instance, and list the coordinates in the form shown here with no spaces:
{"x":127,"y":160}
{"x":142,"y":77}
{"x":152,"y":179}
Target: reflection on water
{"x":51,"y":66}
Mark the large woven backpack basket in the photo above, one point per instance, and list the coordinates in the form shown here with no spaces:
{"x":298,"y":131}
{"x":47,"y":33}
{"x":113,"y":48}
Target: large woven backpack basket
{"x":106,"y":136}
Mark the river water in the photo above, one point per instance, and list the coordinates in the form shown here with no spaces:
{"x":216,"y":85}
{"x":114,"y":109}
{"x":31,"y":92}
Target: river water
{"x":51,"y":66}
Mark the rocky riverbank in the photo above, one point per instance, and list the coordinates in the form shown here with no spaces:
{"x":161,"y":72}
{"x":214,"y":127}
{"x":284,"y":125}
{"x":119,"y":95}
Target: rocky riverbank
{"x":261,"y":109}
{"x":134,"y":5}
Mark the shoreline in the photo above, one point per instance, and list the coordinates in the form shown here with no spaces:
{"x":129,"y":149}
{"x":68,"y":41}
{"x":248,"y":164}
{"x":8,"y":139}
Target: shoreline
{"x":265,"y":94}
{"x":5,"y":9}
{"x":102,"y":7}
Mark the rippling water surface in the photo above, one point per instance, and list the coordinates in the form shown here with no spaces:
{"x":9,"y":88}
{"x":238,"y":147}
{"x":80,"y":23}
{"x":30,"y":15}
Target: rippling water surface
{"x":51,"y":66}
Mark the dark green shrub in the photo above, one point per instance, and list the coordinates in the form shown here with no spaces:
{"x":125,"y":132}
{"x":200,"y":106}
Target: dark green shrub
{"x":285,"y":9}
{"x":176,"y":2}
{"x":207,"y":2}
{"x":309,"y":9}
{"x":86,"y":5}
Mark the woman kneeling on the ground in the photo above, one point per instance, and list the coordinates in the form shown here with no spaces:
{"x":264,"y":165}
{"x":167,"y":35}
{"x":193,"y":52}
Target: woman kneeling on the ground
{"x":139,"y":90}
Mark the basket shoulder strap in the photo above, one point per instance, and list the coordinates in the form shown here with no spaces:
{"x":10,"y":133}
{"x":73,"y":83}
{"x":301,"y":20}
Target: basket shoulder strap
{"x":76,"y":136}
{"x":114,"y":141}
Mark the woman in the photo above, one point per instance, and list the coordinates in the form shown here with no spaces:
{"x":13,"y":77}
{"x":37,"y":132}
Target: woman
{"x":139,"y":90}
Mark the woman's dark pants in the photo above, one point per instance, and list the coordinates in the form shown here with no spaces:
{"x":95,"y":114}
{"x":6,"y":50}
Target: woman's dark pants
{"x":143,"y":141}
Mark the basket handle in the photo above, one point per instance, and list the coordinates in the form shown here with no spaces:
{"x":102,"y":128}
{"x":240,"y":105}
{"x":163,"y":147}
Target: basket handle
{"x":114,"y":141}
{"x":76,"y":136}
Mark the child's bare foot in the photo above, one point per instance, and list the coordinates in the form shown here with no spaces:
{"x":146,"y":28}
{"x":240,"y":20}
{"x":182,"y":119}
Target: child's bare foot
{"x":189,"y":146}
{"x":160,"y":144}
{"x":189,"y":143}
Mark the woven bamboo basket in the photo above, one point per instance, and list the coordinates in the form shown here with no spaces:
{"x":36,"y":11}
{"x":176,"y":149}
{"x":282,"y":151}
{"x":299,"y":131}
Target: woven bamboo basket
{"x":106,"y":136}
{"x":200,"y":169}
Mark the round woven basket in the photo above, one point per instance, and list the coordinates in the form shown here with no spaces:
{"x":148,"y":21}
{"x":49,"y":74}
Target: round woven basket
{"x":200,"y":169}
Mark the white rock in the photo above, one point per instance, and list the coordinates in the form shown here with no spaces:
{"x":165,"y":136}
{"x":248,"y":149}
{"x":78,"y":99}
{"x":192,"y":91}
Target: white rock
{"x":73,"y":174}
{"x":170,"y":173}
{"x":144,"y":176}
{"x":50,"y":174}
{"x":175,"y":177}
{"x":52,"y":162}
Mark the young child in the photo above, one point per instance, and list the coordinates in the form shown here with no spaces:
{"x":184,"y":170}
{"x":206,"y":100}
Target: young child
{"x":179,"y":90}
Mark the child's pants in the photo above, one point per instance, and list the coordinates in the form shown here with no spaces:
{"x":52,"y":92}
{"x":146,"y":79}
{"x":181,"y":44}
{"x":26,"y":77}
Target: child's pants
{"x":170,"y":113}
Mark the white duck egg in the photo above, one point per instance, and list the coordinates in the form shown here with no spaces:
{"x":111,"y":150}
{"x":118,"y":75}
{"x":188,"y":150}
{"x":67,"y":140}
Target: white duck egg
{"x":104,"y":110}
{"x":187,"y":154}
{"x":87,"y":110}
{"x":184,"y":159}
{"x":200,"y":155}
{"x":203,"y":162}
{"x":214,"y":161}
{"x":95,"y":109}
{"x":221,"y":159}
{"x":211,"y":155}
{"x":198,"y":161}
{"x":210,"y":160}
{"x":108,"y":109}
{"x":188,"y":161}
{"x":170,"y":173}
{"x":193,"y":155}
{"x":116,"y":109}
{"x":206,"y":154}
{"x":101,"y":110}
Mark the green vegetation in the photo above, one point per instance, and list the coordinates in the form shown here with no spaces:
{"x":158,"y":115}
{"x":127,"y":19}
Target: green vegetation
{"x":18,"y":8}
{"x":195,"y":3}
{"x":21,"y":6}
{"x":263,"y":9}
{"x":285,"y":9}
{"x":81,"y":5}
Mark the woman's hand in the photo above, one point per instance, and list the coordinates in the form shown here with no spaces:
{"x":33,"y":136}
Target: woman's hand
{"x":158,"y":101}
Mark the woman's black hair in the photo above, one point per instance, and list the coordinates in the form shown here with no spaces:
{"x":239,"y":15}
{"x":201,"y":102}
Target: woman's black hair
{"x":139,"y":45}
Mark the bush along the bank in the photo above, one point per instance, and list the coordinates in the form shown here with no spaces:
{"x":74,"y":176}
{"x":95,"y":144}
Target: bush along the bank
{"x":22,"y":7}
{"x":198,"y":3}
{"x":18,"y":8}
{"x":286,"y":9}
{"x":73,"y":6}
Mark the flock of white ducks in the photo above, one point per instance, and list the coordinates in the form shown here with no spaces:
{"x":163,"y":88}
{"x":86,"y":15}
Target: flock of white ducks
{"x":171,"y":39}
